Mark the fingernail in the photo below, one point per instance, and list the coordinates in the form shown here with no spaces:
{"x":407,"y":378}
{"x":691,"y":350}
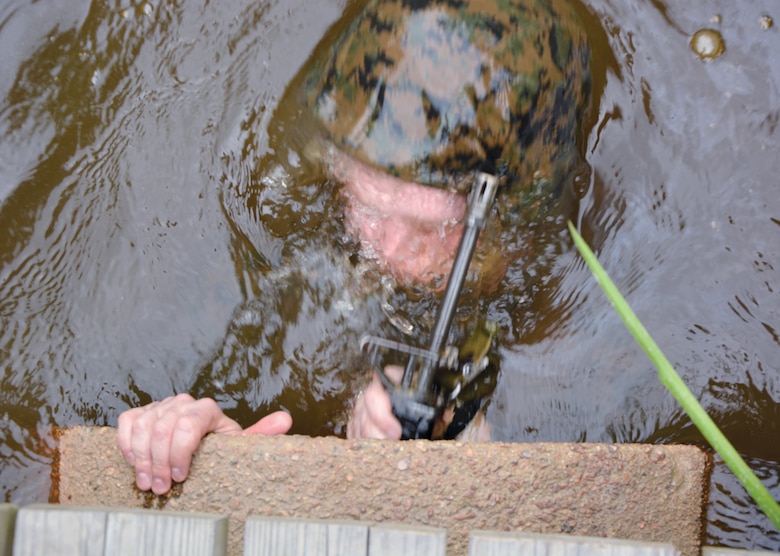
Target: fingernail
{"x":159,"y":487}
{"x":143,"y":481}
{"x":177,"y":475}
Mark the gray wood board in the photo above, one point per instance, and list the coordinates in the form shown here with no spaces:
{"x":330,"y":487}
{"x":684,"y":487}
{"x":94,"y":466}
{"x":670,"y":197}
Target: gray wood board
{"x":488,"y":543}
{"x":274,"y":536}
{"x":67,"y":531}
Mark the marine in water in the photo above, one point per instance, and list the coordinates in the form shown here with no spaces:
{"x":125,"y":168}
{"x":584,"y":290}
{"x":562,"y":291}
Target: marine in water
{"x":396,"y":113}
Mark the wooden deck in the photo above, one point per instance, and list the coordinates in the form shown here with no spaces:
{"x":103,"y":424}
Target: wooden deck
{"x":53,"y":530}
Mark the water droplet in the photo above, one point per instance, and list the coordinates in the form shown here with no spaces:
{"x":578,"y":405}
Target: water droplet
{"x":707,"y":44}
{"x":293,"y":158}
{"x":276,"y":178}
{"x":402,"y":324}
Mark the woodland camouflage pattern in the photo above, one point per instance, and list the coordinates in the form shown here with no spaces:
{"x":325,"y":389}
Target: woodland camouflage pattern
{"x":432,"y":91}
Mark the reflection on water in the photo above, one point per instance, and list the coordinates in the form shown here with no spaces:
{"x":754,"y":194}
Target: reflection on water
{"x":296,"y":344}
{"x":732,"y":519}
{"x":133,"y":264}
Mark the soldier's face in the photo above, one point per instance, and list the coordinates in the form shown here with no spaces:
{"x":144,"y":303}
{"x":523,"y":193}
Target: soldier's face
{"x":411,"y":231}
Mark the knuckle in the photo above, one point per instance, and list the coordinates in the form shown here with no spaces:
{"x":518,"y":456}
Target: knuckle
{"x":130,"y":416}
{"x":187,"y":424}
{"x":161,"y":429}
{"x":139,"y":427}
{"x":125,"y":419}
{"x":207,"y":405}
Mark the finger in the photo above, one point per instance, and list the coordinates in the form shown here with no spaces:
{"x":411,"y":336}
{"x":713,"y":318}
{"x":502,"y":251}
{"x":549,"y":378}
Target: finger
{"x":395,"y":373}
{"x":141,"y":448}
{"x":125,"y":432}
{"x":161,"y":440}
{"x":195,"y":419}
{"x":359,"y":426}
{"x":356,"y":418}
{"x":381,"y":422}
{"x":371,"y":429}
{"x":372,"y":415}
{"x":278,"y":422}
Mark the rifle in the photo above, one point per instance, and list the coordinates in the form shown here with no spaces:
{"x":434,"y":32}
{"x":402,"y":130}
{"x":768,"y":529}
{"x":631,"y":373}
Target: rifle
{"x":441,"y":372}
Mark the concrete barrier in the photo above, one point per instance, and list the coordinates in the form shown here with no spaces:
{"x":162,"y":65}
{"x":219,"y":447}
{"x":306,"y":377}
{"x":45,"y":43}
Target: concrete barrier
{"x":628,"y":491}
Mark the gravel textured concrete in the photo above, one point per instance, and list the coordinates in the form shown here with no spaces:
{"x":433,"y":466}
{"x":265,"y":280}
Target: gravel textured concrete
{"x":628,"y":491}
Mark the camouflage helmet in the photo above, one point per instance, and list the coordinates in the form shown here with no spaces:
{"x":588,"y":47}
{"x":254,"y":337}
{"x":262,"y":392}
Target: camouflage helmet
{"x":433,"y":90}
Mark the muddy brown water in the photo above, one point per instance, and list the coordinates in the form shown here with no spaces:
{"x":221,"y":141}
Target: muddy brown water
{"x":131,"y":267}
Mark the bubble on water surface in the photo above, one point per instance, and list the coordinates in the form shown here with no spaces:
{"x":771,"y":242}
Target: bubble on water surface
{"x":707,"y":44}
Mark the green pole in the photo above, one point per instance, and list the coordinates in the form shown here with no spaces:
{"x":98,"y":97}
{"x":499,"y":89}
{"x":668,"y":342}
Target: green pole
{"x":677,"y":387}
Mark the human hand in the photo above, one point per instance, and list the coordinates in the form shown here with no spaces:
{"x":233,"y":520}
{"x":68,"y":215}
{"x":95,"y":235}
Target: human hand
{"x":159,"y":439}
{"x":372,"y":415}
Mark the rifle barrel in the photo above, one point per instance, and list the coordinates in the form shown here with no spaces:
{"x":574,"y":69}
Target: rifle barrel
{"x":480,"y":200}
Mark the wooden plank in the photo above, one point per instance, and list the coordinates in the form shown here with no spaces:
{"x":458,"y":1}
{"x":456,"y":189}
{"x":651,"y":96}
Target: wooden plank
{"x":7,"y":522}
{"x":721,"y":551}
{"x":59,"y":531}
{"x":406,"y":540}
{"x":165,"y":533}
{"x":278,"y":536}
{"x":490,"y":543}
